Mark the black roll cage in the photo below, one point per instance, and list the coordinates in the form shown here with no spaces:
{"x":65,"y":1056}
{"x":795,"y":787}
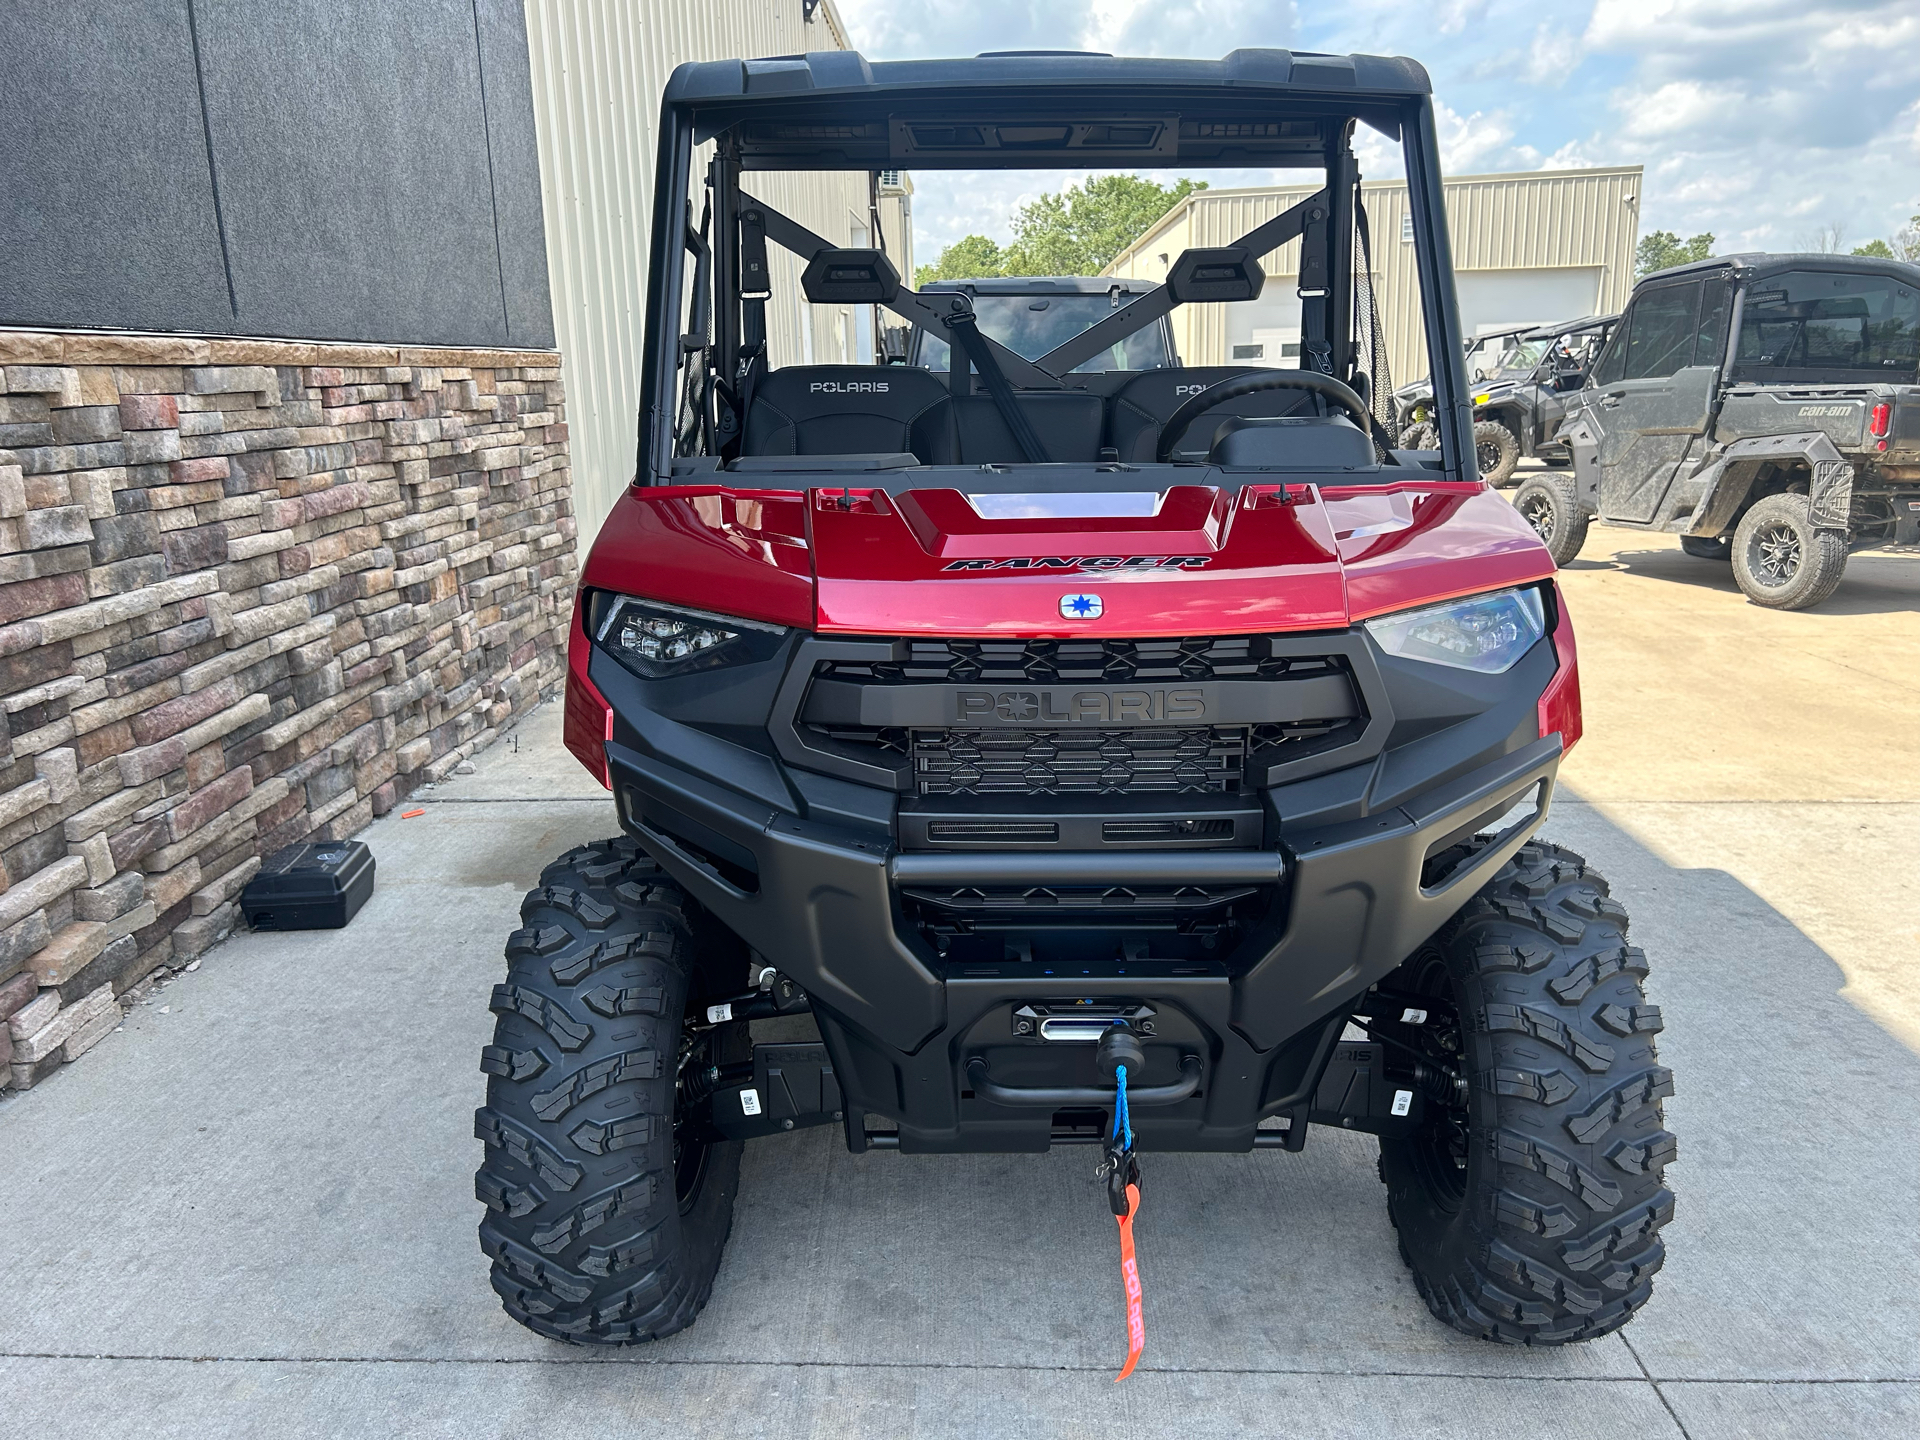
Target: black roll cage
{"x":1325,"y":222}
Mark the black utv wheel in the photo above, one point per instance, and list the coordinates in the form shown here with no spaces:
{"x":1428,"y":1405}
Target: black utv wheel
{"x":1781,"y":559}
{"x":1707,"y":547}
{"x":1529,"y":1203}
{"x":607,"y":1203}
{"x":1547,"y":503}
{"x":1420,"y":437}
{"x":1497,"y":450}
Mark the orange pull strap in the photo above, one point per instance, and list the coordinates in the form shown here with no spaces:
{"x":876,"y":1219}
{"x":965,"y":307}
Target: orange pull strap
{"x":1130,"y":1276}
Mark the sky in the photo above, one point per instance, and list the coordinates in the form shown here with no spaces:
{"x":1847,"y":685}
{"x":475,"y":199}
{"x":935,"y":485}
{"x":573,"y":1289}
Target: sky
{"x":1766,"y":122}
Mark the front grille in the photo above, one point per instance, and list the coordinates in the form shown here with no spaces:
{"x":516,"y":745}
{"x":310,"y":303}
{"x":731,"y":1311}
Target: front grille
{"x":1144,"y":761}
{"x":1067,"y":662}
{"x":1156,"y":756}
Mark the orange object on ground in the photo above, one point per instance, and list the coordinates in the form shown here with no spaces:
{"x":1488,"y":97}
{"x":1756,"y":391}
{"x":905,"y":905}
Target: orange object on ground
{"x":1130,"y":1276}
{"x":409,"y":814}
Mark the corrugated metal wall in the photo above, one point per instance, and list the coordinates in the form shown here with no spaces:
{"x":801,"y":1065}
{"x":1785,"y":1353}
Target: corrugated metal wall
{"x":1539,"y":220}
{"x":598,"y":67}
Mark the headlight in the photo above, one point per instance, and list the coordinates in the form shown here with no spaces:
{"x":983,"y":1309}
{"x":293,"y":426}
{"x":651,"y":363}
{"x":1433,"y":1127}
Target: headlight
{"x":1487,"y":633}
{"x":657,"y":641}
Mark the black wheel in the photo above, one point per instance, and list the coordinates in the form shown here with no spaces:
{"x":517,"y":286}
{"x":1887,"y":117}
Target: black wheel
{"x":1547,"y":503}
{"x":608,"y":1204}
{"x":1497,"y":450}
{"x":1703,"y":547}
{"x":1781,"y":559}
{"x":1420,"y":437}
{"x":1529,"y":1203}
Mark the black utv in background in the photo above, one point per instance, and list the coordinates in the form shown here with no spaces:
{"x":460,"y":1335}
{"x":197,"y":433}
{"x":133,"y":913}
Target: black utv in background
{"x":1031,"y":314}
{"x":1763,"y":406}
{"x":1520,"y":400}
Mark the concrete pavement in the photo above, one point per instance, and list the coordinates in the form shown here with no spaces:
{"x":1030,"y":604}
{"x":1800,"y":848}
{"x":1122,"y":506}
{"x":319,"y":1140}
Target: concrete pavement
{"x":253,"y":1214}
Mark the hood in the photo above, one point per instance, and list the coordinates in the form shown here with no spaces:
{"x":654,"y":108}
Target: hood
{"x":1198,"y":560}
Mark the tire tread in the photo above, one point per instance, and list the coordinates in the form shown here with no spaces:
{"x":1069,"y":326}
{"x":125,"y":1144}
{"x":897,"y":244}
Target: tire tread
{"x":1559,"y":1237}
{"x":588,"y":1241}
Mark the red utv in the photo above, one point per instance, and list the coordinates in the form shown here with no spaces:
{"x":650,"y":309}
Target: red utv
{"x":1090,"y":755}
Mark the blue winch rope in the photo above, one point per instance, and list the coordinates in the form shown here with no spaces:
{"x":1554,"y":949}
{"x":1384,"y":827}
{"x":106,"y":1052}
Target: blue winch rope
{"x":1122,"y":1125}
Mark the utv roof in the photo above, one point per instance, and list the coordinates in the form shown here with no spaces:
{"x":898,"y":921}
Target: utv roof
{"x":838,"y":110}
{"x":1570,"y":327}
{"x":1757,"y":262}
{"x":846,"y":72}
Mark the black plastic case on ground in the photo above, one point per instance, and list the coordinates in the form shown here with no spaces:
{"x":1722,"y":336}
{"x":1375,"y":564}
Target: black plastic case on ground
{"x":309,"y":887}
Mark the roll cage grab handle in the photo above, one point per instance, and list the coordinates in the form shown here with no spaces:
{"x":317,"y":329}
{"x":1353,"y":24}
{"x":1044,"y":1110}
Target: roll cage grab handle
{"x":1045,"y":373}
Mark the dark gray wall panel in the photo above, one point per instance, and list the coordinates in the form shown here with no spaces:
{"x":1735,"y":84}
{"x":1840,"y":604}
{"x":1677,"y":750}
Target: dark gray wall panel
{"x":106,"y":208}
{"x":358,"y":150}
{"x":516,"y":170}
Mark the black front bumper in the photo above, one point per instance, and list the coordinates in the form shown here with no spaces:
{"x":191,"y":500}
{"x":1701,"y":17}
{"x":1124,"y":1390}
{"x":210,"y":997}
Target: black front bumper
{"x":823,"y":902}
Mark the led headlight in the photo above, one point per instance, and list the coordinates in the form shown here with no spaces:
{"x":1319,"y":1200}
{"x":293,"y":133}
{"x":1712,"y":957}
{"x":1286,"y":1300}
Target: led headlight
{"x":657,"y":641}
{"x":1488,"y":633}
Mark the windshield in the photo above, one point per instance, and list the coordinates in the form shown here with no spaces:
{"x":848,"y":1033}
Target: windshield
{"x":963,"y":312}
{"x":1031,"y":325}
{"x":1816,"y":324}
{"x":1522,"y":356}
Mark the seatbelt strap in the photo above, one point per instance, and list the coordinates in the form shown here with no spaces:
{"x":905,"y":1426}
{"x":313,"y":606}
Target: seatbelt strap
{"x":1315,"y":289}
{"x":959,"y":371}
{"x":965,"y":330}
{"x":756,"y":284}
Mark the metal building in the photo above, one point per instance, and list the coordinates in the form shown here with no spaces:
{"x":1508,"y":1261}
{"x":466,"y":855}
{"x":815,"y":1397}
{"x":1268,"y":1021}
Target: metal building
{"x":1528,"y":248}
{"x":598,"y":67}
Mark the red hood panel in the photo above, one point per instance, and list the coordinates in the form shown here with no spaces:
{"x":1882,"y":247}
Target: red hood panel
{"x":925,"y":563}
{"x":738,"y":552}
{"x":1274,"y":557}
{"x":1417,"y":542}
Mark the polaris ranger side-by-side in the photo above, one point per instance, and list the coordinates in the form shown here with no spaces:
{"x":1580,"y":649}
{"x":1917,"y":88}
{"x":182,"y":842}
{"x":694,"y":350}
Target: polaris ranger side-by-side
{"x":1763,"y":406}
{"x":1090,"y":759}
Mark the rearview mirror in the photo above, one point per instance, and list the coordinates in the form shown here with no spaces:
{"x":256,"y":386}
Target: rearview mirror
{"x":850,"y":277}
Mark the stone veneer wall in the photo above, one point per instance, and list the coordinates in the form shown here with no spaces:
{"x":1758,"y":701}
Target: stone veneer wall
{"x":251,"y":592}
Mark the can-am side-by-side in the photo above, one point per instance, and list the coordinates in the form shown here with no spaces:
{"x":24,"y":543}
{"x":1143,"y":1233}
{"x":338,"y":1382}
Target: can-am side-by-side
{"x":1149,"y":759}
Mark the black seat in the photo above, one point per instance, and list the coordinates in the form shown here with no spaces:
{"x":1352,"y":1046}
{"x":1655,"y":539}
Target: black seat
{"x":1141,"y":406}
{"x":852,"y":410}
{"x":1068,"y":423}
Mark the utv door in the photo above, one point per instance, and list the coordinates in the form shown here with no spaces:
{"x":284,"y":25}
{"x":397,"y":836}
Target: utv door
{"x":1653,"y":392}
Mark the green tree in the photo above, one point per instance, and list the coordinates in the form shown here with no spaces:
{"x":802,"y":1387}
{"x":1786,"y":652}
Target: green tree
{"x":1076,"y":232}
{"x":1664,"y":248}
{"x":1905,"y":244}
{"x":1081,"y":229}
{"x":969,"y":258}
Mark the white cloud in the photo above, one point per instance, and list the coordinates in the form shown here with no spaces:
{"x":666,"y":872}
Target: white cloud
{"x":1553,"y":56}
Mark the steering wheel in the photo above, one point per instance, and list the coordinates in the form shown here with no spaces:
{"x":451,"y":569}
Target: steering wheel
{"x":1194,"y":406}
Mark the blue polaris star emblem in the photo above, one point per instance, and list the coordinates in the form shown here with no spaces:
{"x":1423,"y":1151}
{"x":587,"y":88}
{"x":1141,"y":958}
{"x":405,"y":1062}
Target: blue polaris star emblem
{"x":1081,"y":607}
